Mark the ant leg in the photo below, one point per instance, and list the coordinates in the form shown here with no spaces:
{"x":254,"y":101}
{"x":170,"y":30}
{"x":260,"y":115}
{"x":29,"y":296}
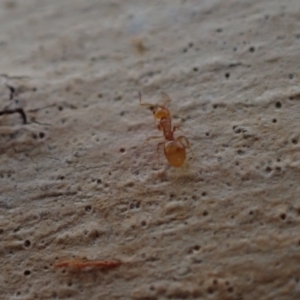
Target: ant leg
{"x":185,"y":142}
{"x":178,"y":127}
{"x":159,"y":145}
{"x":151,"y":138}
{"x":165,"y":97}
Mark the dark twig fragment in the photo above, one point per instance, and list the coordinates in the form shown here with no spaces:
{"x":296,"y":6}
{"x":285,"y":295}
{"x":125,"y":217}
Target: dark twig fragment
{"x":13,"y":111}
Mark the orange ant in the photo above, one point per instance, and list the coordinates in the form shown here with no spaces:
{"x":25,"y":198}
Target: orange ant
{"x":174,"y":148}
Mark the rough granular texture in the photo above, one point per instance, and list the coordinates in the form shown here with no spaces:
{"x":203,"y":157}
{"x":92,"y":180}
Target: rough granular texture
{"x":77,"y":182}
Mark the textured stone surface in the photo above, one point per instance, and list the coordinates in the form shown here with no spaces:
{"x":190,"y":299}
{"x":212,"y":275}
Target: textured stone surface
{"x":78,"y":181}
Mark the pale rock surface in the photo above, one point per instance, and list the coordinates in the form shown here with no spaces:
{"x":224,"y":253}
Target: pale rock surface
{"x":78,"y":181}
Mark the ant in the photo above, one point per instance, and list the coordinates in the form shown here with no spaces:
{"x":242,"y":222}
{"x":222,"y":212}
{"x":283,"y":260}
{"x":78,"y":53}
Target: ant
{"x":174,"y":148}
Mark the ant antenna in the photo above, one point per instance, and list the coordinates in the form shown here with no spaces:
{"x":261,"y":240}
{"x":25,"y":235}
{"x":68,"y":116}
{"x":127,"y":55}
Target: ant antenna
{"x":165,"y":97}
{"x":150,"y":106}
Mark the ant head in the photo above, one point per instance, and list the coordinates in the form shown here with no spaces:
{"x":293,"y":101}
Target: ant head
{"x":161,"y":112}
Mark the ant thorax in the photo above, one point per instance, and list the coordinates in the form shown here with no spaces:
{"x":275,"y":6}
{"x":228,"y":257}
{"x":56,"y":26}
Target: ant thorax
{"x":166,"y":127}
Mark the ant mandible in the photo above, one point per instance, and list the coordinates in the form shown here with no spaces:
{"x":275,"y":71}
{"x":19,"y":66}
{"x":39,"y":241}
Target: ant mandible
{"x":174,"y":148}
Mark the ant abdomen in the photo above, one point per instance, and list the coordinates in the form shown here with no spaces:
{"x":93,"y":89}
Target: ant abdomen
{"x":175,"y":153}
